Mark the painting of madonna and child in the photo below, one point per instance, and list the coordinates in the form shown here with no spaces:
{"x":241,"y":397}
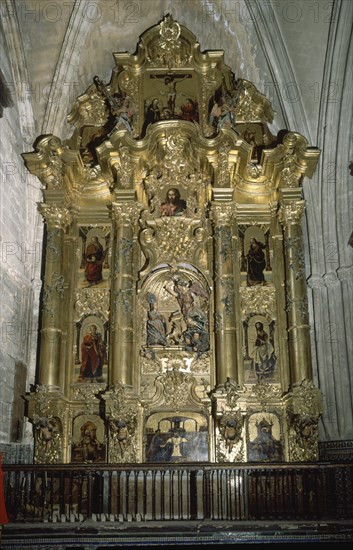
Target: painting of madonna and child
{"x":255,"y":256}
{"x":94,"y":267}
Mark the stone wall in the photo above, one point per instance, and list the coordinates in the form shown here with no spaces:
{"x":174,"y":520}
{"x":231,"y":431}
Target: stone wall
{"x":21,"y":245}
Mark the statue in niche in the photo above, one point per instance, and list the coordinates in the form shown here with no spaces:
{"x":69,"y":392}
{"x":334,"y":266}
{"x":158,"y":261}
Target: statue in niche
{"x":263,"y":354}
{"x":121,"y":108}
{"x":185,"y":292}
{"x":124,"y":115}
{"x":156,"y":324}
{"x":93,"y":355}
{"x":94,"y":260}
{"x":256,"y":263}
{"x":173,"y":205}
{"x":265,"y":447}
{"x":222,"y":112}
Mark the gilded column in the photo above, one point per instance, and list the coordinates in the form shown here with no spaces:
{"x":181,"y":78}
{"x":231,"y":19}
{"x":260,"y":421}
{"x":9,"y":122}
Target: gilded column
{"x":224,"y":325}
{"x":290,"y":215}
{"x":56,"y":219}
{"x":122,"y":296}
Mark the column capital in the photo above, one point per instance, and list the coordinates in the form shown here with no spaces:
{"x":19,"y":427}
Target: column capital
{"x":125,"y":213}
{"x":55,"y":215}
{"x":222,"y":214}
{"x":291,"y":213}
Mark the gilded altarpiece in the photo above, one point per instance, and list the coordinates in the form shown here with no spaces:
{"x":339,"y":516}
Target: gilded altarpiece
{"x":174,"y":312}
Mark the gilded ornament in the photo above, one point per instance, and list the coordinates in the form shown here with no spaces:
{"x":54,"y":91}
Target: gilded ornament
{"x":179,"y":188}
{"x":229,"y":446}
{"x":259,"y":299}
{"x":92,"y":301}
{"x":54,"y":215}
{"x":175,"y":388}
{"x":222,"y":214}
{"x":168,"y":49}
{"x":291,"y":213}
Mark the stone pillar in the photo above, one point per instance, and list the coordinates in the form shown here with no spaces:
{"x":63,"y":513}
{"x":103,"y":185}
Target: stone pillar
{"x":122,"y":296}
{"x":224,"y":302}
{"x":290,"y":214}
{"x":50,"y":373}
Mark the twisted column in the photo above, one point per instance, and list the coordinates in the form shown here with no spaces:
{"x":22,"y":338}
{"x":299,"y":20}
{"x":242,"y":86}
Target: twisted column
{"x":290,"y":215}
{"x":224,"y":324}
{"x":56,"y":219}
{"x":122,"y":296}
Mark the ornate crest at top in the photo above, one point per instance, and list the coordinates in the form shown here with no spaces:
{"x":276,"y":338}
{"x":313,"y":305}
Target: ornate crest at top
{"x":168,"y":49}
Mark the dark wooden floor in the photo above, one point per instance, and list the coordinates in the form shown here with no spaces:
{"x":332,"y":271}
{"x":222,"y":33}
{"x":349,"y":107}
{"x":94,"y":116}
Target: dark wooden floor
{"x":91,"y":534}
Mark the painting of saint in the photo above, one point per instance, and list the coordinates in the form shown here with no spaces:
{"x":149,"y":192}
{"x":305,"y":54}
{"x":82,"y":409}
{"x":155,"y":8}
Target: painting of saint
{"x":94,"y":260}
{"x":88,"y":448}
{"x":173,"y":205}
{"x":256,"y":263}
{"x":264,"y":447}
{"x":93,"y":355}
{"x":263,"y":354}
{"x":152,"y":114}
{"x":189,"y":110}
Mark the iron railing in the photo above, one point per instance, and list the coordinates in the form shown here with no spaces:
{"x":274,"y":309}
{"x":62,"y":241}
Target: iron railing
{"x":143,"y":492}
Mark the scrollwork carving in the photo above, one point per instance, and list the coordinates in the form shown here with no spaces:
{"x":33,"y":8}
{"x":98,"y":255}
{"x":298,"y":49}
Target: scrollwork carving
{"x":122,"y":419}
{"x":258,"y":299}
{"x":51,"y":291}
{"x":48,"y":449}
{"x":125,"y":213}
{"x":175,"y":388}
{"x":89,"y":302}
{"x":303,"y":437}
{"x":265,"y":393}
{"x":168,"y":49}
